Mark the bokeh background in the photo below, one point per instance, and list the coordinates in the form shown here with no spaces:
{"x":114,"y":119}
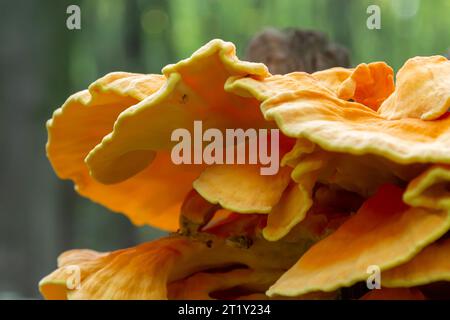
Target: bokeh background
{"x":42,"y":63}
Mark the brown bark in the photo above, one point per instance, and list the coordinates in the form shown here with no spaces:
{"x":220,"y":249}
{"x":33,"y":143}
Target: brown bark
{"x":289,"y":50}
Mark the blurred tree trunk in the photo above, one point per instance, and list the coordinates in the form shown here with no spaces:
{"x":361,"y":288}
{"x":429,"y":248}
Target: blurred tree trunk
{"x":33,"y":62}
{"x":40,"y":215}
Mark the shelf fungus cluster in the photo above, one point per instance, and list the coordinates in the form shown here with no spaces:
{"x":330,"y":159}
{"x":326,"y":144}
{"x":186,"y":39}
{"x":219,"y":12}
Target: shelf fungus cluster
{"x":364,"y":180}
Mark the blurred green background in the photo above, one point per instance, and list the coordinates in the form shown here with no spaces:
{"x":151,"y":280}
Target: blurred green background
{"x":42,"y":63}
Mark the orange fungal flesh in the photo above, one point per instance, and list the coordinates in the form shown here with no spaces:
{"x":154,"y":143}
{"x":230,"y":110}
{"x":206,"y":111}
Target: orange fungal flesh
{"x":343,"y":258}
{"x":363,"y":181}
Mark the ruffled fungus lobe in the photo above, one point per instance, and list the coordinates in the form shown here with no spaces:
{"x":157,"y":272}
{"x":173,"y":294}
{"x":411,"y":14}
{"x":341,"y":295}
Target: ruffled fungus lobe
{"x":82,"y":122}
{"x":296,"y":200}
{"x":431,"y":189}
{"x":141,"y":140}
{"x":256,"y":193}
{"x":431,"y":265}
{"x":190,"y":94}
{"x":369,"y":84}
{"x":155,"y":270}
{"x":316,"y":113}
{"x":130,"y":171}
{"x":423,"y":90}
{"x":342,"y":259}
{"x":364,"y":181}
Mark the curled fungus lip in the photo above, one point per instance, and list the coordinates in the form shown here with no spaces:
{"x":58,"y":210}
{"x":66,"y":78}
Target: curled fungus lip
{"x":363,"y":180}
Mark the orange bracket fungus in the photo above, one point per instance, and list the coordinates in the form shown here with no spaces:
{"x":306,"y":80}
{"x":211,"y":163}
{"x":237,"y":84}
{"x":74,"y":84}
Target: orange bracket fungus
{"x":360,"y":178}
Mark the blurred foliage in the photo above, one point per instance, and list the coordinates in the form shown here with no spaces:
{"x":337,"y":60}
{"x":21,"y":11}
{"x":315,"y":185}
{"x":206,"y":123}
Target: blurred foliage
{"x":172,"y":29}
{"x":52,"y":62}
